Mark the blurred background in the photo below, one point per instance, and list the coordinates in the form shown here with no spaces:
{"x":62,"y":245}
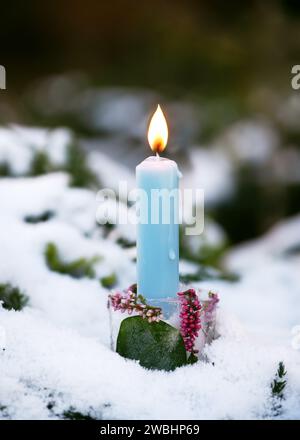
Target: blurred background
{"x":220,"y":70}
{"x":83,"y":79}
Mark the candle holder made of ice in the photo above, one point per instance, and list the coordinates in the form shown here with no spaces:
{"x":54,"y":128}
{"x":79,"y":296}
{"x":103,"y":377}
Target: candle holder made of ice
{"x":171,"y":314}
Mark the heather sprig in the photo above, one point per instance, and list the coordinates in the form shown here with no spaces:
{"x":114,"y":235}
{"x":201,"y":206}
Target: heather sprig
{"x":190,"y":322}
{"x":129,"y":301}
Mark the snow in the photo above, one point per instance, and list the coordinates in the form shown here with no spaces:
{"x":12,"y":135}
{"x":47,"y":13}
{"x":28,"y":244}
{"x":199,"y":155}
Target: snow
{"x":296,"y":337}
{"x":12,"y":153}
{"x":279,"y":240}
{"x":18,"y":145}
{"x":250,"y":141}
{"x":79,"y":371}
{"x":213,"y":237}
{"x":111,"y":173}
{"x":117,"y":110}
{"x":57,"y":349}
{"x":212,"y":171}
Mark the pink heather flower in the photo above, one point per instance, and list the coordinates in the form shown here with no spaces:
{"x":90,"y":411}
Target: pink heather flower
{"x":153,"y":314}
{"x":123,"y":301}
{"x":128,"y":301}
{"x":190,"y":322}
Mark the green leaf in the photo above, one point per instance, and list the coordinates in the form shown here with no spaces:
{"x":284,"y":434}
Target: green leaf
{"x":39,"y":218}
{"x":109,"y":281}
{"x":278,"y":384}
{"x":40,"y":164}
{"x":80,"y":268}
{"x":77,"y":166}
{"x":12,"y":298}
{"x":72,"y":414}
{"x":156,"y":345}
{"x":281,"y":370}
{"x":124,"y":243}
{"x":5,"y":170}
{"x":207,"y":273}
{"x":192,"y":359}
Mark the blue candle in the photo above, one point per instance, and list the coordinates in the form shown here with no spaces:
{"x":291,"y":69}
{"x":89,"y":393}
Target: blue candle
{"x":158,"y":229}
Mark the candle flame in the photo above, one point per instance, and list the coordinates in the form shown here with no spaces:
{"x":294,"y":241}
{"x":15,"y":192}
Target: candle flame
{"x":158,"y":131}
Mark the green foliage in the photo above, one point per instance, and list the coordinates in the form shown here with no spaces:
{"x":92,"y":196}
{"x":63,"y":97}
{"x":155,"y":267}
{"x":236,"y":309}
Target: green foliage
{"x":206,"y":273}
{"x":206,"y":254}
{"x":39,"y":218}
{"x":211,"y":255}
{"x":40,"y":164}
{"x":125,"y":244}
{"x":80,"y":268}
{"x":192,"y":359}
{"x":72,"y":414}
{"x":253,"y":207}
{"x":278,"y":384}
{"x":109,"y":281}
{"x":277,"y":389}
{"x":156,"y":345}
{"x":12,"y":298}
{"x":76,"y":165}
{"x":5,"y":170}
{"x":107,"y":228}
{"x":219,"y":114}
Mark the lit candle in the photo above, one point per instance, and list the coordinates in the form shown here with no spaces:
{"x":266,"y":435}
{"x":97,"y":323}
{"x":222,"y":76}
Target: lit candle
{"x":158,"y":229}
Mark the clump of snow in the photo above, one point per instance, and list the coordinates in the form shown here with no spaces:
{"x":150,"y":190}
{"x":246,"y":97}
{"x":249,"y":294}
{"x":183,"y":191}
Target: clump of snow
{"x":2,"y":339}
{"x":281,"y":239}
{"x":19,"y":144}
{"x":211,"y":171}
{"x":250,"y":141}
{"x":110,"y":173}
{"x":117,"y":109}
{"x":16,"y":155}
{"x":23,"y":196}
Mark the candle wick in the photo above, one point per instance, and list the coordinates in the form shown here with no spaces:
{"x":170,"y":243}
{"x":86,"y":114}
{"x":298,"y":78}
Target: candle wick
{"x":157,"y":155}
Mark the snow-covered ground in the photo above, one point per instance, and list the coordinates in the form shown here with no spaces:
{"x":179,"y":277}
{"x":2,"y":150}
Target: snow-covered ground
{"x":57,"y":353}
